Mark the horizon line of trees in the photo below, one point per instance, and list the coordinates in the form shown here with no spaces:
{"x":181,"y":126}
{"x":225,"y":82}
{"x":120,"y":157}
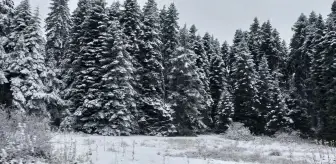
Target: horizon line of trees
{"x":123,"y":70}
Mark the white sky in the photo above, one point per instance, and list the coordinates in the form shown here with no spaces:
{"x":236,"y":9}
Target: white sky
{"x":223,"y":17}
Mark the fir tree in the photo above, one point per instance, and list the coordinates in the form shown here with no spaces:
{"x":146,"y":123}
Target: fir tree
{"x":58,"y":26}
{"x":225,"y":51}
{"x":73,"y":61}
{"x":299,"y":71}
{"x":254,"y":41}
{"x":114,"y":12}
{"x":186,"y":93}
{"x":277,"y":117}
{"x":245,"y":92}
{"x":202,"y":63}
{"x":225,"y":111}
{"x":118,"y":101}
{"x":169,"y":38}
{"x":317,"y":75}
{"x":217,"y":77}
{"x":156,"y":116}
{"x":32,"y":92}
{"x":329,"y":72}
{"x":88,"y":83}
{"x":6,"y":16}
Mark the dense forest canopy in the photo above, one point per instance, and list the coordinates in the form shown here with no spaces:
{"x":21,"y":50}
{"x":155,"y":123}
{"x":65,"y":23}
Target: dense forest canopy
{"x":123,"y":70}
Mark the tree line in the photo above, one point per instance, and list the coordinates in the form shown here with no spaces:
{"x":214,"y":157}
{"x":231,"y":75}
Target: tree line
{"x":123,"y":70}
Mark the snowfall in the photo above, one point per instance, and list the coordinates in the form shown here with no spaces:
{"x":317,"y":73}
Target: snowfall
{"x":206,"y":149}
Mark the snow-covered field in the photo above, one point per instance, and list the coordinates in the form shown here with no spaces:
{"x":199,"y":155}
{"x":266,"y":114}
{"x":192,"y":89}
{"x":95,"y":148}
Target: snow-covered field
{"x":188,"y":150}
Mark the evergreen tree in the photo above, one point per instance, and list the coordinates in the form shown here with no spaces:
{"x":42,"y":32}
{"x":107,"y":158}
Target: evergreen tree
{"x":73,"y":61}
{"x":225,"y":51}
{"x":264,"y":93}
{"x":254,"y":41}
{"x":245,"y":91}
{"x":6,"y":16}
{"x":31,"y":89}
{"x":317,"y":75}
{"x":58,"y":26}
{"x":329,"y":73}
{"x":118,"y":103}
{"x":169,"y":38}
{"x":299,"y":71}
{"x":93,"y":47}
{"x":186,"y":93}
{"x":277,"y":117}
{"x":225,"y":111}
{"x":156,"y":116}
{"x":217,"y":77}
{"x":202,"y":63}
{"x":114,"y":12}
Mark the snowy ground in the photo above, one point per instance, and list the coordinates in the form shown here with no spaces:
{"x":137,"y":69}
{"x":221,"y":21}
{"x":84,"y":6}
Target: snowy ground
{"x":189,"y":150}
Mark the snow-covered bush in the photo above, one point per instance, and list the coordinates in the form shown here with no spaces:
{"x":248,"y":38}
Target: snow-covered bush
{"x":23,"y":138}
{"x":237,"y":131}
{"x":292,"y":137}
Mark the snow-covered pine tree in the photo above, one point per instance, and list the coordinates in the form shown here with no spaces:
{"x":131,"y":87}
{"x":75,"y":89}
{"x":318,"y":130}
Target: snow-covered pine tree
{"x":58,"y":25}
{"x":114,"y":12}
{"x":264,"y":86}
{"x":208,"y":47}
{"x":254,"y":41}
{"x":88,"y":84}
{"x":72,"y":64}
{"x":225,"y":51}
{"x":329,"y":74}
{"x":202,"y":63}
{"x":6,"y":16}
{"x":238,"y":37}
{"x":156,"y":116}
{"x":217,"y":78}
{"x":169,"y":39}
{"x":277,"y":117}
{"x":118,"y":93}
{"x":299,"y":71}
{"x":270,"y":45}
{"x":132,"y":25}
{"x":186,"y":93}
{"x":31,"y":89}
{"x":245,"y":91}
{"x":225,"y":111}
{"x":317,"y":76}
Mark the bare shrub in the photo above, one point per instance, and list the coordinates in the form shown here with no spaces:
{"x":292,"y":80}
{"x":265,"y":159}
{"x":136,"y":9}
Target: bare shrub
{"x":23,"y":138}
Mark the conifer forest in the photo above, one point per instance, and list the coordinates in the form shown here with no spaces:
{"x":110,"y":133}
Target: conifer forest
{"x":122,"y":69}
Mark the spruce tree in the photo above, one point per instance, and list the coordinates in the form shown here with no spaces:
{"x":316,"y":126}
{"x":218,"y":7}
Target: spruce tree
{"x":114,"y":12}
{"x":328,"y":74}
{"x":225,"y":111}
{"x":225,"y":51}
{"x":245,"y":91}
{"x":73,"y":62}
{"x":6,"y":16}
{"x":169,"y":38}
{"x":202,"y":63}
{"x":156,"y":117}
{"x":186,"y":93}
{"x":217,"y":79}
{"x":254,"y":41}
{"x":58,"y":26}
{"x":31,"y":89}
{"x":299,"y":72}
{"x":88,"y":114}
{"x":118,"y":103}
{"x":317,"y":76}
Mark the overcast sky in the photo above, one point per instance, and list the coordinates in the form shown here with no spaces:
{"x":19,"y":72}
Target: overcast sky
{"x":223,"y":17}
